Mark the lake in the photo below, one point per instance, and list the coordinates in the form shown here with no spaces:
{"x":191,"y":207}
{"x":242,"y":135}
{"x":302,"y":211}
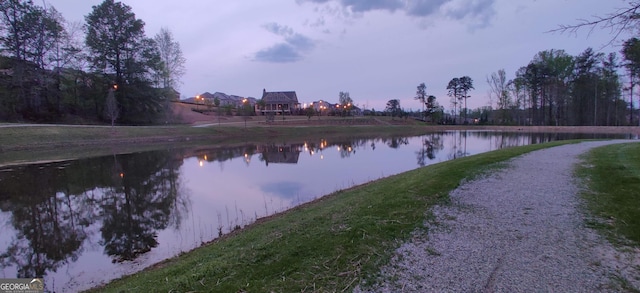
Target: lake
{"x":84,"y":222}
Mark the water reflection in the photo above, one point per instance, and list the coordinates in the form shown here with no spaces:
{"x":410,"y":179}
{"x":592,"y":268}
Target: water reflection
{"x":431,"y":144}
{"x":92,"y":220}
{"x":396,"y":142}
{"x":56,"y":207}
{"x":138,"y":203}
{"x":280,"y":154}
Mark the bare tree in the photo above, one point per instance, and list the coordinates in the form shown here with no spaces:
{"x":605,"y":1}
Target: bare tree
{"x":111,"y":106}
{"x":499,"y":89}
{"x":172,"y":59}
{"x":619,"y":21}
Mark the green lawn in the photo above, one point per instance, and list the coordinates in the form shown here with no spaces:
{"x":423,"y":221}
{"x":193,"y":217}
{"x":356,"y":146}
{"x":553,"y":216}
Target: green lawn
{"x":329,"y":245}
{"x":612,"y":175}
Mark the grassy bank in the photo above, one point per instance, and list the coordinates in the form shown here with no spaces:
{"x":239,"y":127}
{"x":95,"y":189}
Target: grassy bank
{"x":24,"y":144}
{"x":329,"y":245}
{"x":44,"y":143}
{"x":612,"y":175}
{"x":33,"y":138}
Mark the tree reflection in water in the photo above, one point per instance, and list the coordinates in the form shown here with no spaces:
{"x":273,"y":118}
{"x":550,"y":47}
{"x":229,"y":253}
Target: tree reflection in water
{"x":138,"y":204}
{"x":396,"y":142}
{"x":431,"y":144}
{"x":54,"y":208}
{"x":49,"y":214}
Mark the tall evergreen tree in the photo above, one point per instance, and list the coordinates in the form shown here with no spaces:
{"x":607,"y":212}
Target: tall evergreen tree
{"x":421,"y":95}
{"x":611,"y":91}
{"x":454,"y":92}
{"x":458,"y":91}
{"x":28,"y":36}
{"x":114,"y":36}
{"x":119,"y":49}
{"x":631,"y":53}
{"x":393,"y":108}
{"x":466,"y":84}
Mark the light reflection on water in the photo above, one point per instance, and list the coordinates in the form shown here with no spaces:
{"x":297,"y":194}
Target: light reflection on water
{"x":83,"y":222}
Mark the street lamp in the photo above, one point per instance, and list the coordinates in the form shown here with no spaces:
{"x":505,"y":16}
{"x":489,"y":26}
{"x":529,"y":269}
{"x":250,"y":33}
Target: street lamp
{"x":244,"y":111}
{"x":197,"y":103}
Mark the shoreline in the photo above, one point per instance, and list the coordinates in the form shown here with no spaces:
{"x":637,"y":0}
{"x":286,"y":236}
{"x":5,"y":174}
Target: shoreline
{"x":37,"y":143}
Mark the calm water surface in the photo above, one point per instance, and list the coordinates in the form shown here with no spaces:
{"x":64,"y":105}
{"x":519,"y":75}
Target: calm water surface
{"x":81,"y":223}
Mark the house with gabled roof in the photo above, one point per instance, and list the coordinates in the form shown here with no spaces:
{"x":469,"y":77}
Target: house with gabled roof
{"x":279,"y":103}
{"x":224,"y":99}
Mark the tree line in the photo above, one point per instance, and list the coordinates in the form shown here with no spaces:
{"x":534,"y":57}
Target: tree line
{"x":556,"y":88}
{"x":103,"y":70}
{"x":559,"y":89}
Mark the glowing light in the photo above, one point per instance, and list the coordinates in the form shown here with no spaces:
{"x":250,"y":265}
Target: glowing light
{"x":205,"y":157}
{"x":201,"y":163}
{"x":121,"y":175}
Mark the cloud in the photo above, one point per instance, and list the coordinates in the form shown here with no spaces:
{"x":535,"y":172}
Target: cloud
{"x":367,"y":5}
{"x":477,"y":12}
{"x":280,"y":30}
{"x":288,"y":51}
{"x":313,"y":1}
{"x":363,"y":5}
{"x":279,"y":53}
{"x":320,"y":22}
{"x":423,"y":7}
{"x":300,"y":42}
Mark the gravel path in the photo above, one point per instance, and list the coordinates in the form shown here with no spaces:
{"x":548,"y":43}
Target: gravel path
{"x":516,"y":230}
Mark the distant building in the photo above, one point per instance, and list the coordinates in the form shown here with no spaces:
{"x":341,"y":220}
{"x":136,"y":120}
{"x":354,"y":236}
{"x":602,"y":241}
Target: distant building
{"x":279,"y":103}
{"x":225,"y":100}
{"x":322,"y":107}
{"x":333,"y":109}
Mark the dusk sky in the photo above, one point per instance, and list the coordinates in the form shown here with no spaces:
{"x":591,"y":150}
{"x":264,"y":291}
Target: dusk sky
{"x":376,"y":50}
